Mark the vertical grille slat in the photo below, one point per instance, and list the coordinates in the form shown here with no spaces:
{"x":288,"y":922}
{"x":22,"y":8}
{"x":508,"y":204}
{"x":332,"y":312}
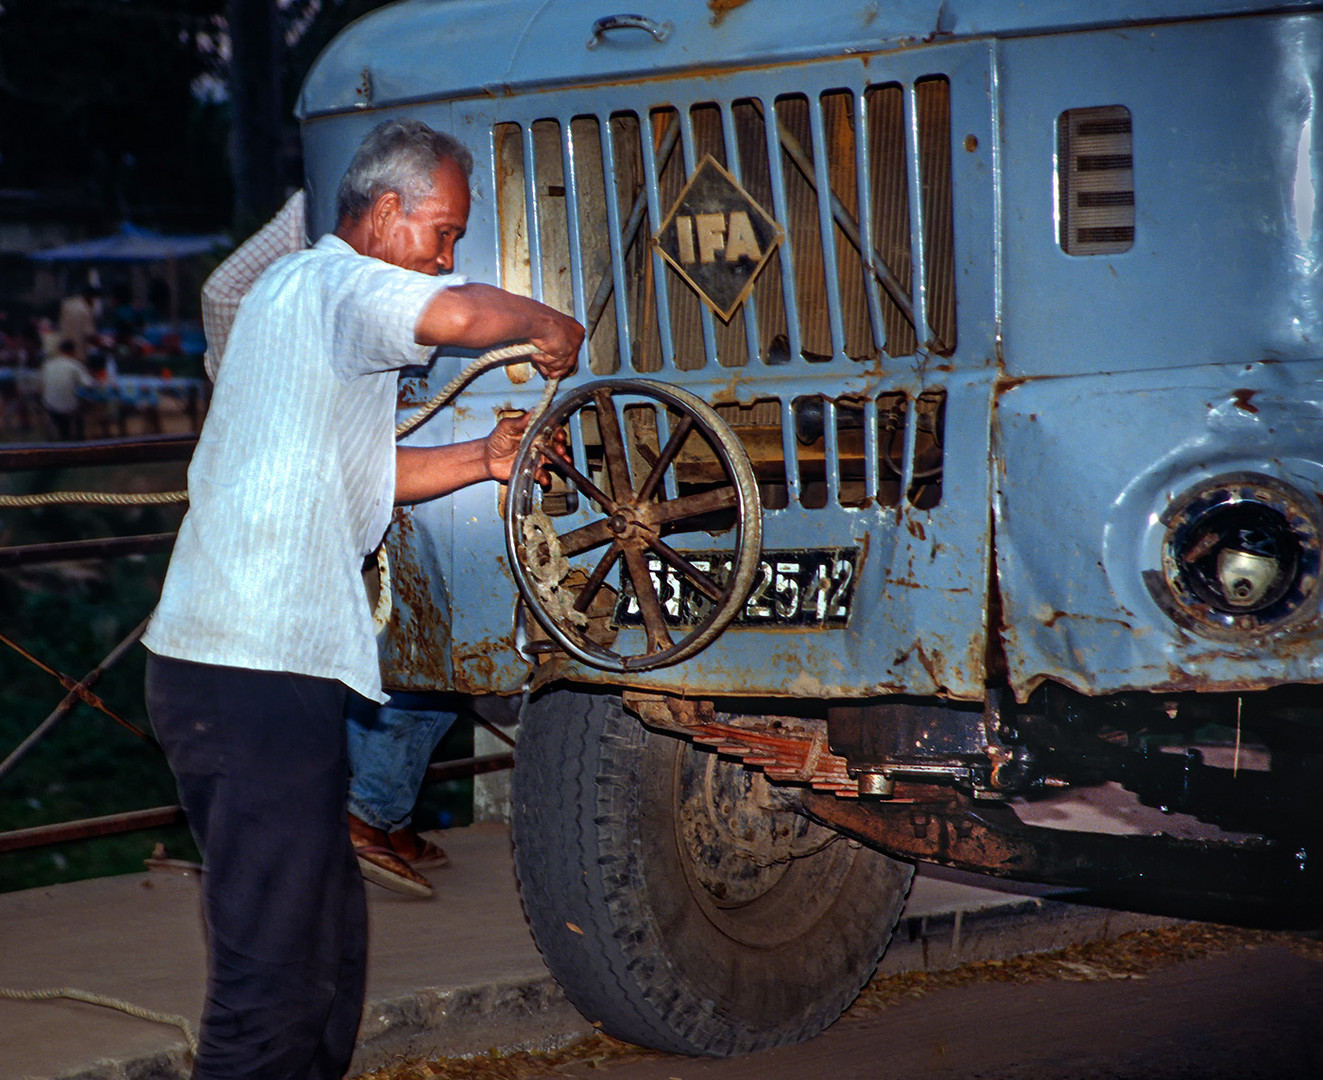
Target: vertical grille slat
{"x":869,"y":258}
{"x":933,"y":100}
{"x":534,"y":230}
{"x":918,"y":212}
{"x":749,"y":310}
{"x":616,"y":233}
{"x":656,"y":274}
{"x":576,"y":272}
{"x":889,"y":199}
{"x":823,"y":193}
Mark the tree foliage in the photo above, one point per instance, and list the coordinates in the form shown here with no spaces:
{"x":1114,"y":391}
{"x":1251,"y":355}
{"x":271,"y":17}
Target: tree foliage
{"x":124,"y":106}
{"x":97,"y":103}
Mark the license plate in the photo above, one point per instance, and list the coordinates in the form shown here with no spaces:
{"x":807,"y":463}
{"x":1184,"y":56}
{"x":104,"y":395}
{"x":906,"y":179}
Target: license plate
{"x":811,"y":589}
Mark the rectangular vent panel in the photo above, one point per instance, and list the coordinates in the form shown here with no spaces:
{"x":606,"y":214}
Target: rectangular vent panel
{"x":1095,"y":173}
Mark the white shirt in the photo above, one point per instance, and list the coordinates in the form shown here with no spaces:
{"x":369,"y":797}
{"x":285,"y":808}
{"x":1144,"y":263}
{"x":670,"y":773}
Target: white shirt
{"x":61,"y":377}
{"x":292,"y":481}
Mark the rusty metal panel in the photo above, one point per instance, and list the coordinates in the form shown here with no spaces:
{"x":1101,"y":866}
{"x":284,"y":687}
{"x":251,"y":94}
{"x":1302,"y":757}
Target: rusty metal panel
{"x":1080,"y":547}
{"x":866,"y":433}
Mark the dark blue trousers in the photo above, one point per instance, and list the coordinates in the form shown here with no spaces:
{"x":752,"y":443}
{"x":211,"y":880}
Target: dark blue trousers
{"x":260,"y":761}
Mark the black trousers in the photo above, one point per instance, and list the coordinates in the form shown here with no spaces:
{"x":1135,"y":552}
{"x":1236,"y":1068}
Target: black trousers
{"x":260,"y":761}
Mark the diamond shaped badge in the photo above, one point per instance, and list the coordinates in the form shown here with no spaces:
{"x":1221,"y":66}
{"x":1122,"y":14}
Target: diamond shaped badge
{"x":717,"y":237}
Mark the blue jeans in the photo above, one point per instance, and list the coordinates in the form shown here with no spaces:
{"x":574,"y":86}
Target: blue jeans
{"x":390,"y":747}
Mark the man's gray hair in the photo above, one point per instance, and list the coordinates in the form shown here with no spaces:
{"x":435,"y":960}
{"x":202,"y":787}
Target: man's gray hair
{"x":398,"y":156}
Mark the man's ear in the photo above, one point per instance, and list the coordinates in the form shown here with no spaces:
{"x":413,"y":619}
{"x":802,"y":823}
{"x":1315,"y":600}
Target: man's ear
{"x":384,"y":209}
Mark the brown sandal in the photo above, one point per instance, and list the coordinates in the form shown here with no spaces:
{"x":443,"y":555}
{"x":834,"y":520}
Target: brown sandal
{"x":381,"y":865}
{"x":418,"y":851}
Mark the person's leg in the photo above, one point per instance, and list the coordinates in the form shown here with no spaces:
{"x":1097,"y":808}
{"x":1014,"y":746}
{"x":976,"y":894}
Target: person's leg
{"x":390,"y":747}
{"x":62,"y":422}
{"x":260,"y":761}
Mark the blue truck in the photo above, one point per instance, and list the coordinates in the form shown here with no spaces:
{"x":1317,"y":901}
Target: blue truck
{"x":948,"y":436}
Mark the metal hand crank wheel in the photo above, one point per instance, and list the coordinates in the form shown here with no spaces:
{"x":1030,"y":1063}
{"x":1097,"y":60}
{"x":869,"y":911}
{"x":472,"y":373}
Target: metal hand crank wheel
{"x":647,"y":543}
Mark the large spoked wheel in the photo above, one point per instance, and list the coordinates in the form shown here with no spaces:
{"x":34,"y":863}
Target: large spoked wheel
{"x":675,"y":904}
{"x":646,"y":545}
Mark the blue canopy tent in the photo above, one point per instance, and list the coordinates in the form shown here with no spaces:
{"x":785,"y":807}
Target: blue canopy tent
{"x":131,"y":244}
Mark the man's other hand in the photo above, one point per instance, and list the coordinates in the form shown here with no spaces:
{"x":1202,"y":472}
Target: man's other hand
{"x":503,"y":444}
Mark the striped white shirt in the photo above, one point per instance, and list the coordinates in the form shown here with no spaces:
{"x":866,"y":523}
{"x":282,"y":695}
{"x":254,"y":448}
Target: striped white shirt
{"x":292,"y":481}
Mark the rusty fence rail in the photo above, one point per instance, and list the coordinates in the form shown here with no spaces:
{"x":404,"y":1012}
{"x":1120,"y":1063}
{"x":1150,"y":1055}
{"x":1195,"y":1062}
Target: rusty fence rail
{"x":149,"y":449}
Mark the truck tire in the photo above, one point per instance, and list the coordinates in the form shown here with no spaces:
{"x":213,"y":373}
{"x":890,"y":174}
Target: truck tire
{"x":675,"y":909}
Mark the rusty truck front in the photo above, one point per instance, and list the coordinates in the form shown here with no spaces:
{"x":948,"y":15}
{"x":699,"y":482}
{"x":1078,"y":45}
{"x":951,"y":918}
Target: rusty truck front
{"x":947,"y":435}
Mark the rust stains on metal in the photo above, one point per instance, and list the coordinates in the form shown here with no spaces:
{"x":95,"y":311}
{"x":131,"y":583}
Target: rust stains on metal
{"x":720,"y":8}
{"x":1244,"y":399}
{"x":475,"y":671}
{"x":418,"y":628}
{"x":1005,"y":384}
{"x":786,"y":748}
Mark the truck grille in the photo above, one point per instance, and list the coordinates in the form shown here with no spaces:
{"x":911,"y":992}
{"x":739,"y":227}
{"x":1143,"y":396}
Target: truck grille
{"x":866,"y":269}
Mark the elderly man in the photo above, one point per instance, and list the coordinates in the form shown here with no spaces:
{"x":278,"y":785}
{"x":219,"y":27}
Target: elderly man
{"x":263,"y":622}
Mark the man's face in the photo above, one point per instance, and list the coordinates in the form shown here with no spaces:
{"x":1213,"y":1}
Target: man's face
{"x":425,"y":240}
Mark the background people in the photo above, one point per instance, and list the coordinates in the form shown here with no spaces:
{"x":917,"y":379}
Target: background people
{"x":62,"y":376}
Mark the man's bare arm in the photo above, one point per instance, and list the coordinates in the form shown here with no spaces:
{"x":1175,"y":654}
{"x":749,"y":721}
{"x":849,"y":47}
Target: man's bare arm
{"x":483,"y":316}
{"x":424,"y":472}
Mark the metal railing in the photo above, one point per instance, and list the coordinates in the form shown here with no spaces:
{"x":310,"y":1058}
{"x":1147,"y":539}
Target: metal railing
{"x":151,"y":449}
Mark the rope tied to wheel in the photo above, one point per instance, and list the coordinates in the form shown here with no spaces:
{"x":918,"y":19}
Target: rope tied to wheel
{"x":548,"y":568}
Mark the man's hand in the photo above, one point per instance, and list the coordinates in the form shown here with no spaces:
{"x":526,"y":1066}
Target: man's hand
{"x":424,"y":472}
{"x":503,"y":444}
{"x":558,"y":349}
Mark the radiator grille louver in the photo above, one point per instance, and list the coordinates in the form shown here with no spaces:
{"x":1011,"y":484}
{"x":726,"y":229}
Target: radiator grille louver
{"x":589,"y":191}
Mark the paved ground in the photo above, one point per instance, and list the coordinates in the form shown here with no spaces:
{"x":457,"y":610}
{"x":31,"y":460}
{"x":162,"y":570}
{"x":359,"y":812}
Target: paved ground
{"x":457,"y":974}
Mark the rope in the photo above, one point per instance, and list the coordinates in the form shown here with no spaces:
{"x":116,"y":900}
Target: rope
{"x":490,"y":359}
{"x":100,"y":498}
{"x":109,"y":1003}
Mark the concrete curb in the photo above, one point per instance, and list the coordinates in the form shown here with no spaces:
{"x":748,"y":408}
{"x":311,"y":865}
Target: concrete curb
{"x":451,"y":977}
{"x":533,"y":1014}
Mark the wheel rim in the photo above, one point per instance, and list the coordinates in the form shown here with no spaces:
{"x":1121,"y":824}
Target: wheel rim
{"x":656,"y":477}
{"x":761,"y":876}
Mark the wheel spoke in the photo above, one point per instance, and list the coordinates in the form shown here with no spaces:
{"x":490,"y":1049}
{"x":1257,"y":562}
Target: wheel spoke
{"x":598,"y":576}
{"x":654,"y":619}
{"x":585,"y":538}
{"x":668,"y":454}
{"x":689,"y":506}
{"x":706,"y":585}
{"x":613,"y":447}
{"x":567,"y":469}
